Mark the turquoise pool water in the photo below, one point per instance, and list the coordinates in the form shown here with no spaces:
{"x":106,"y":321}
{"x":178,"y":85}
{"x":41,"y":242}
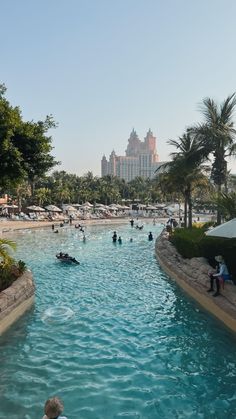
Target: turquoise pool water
{"x":113,"y":337}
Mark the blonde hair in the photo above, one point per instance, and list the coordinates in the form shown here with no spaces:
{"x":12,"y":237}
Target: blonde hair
{"x":53,"y":407}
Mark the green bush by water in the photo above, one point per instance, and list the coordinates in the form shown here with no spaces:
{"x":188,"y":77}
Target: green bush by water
{"x":10,"y":272}
{"x":194,"y":243}
{"x":187,"y":240}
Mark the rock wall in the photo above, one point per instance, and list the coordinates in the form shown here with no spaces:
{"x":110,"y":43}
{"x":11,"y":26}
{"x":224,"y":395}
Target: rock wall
{"x":192,"y":276}
{"x":16,"y":299}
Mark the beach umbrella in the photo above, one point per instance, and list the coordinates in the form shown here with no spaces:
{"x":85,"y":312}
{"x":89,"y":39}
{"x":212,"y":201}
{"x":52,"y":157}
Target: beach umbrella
{"x":113,"y":207}
{"x":87,"y":204}
{"x":86,"y":207}
{"x":151,"y":208}
{"x":99,"y":205}
{"x":69,"y":208}
{"x":35,"y":208}
{"x":53,"y":208}
{"x":141,"y":206}
{"x":226,"y":230}
{"x":9,"y":206}
{"x":100,"y":208}
{"x":160,"y":206}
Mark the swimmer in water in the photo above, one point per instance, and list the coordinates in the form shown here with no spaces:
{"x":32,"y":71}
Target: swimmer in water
{"x":150,"y":236}
{"x":114,"y":237}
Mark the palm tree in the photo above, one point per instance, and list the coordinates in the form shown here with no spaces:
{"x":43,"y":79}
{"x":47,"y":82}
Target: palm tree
{"x":227,"y":204}
{"x":217,"y":134}
{"x":185,"y":171}
{"x":5,"y":246}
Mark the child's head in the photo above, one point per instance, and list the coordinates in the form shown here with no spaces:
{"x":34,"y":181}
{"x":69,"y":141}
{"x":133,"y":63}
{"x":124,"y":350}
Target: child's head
{"x":53,"y":407}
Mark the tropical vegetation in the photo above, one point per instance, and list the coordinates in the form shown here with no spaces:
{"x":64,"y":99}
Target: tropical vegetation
{"x":10,"y":269}
{"x":26,"y":164}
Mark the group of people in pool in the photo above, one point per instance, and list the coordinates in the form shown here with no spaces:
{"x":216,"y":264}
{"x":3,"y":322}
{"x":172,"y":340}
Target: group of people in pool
{"x":65,"y":257}
{"x":78,"y":226}
{"x":117,"y":239}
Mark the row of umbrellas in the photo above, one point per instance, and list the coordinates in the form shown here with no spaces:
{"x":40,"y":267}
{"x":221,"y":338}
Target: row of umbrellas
{"x":86,"y":206}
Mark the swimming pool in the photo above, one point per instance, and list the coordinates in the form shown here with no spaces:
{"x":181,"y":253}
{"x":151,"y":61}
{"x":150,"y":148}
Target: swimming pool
{"x":113,"y":337}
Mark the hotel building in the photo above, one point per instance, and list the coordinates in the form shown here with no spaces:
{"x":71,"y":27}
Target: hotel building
{"x":141,"y":159}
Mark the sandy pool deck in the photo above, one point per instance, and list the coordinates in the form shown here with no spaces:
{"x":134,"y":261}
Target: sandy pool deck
{"x":10,"y":226}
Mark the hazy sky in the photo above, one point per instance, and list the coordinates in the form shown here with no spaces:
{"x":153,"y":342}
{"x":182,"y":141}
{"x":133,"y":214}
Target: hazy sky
{"x":103,"y":67}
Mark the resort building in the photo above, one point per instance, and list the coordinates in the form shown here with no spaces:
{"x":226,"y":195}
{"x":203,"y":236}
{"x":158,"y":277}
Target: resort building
{"x":141,"y":159}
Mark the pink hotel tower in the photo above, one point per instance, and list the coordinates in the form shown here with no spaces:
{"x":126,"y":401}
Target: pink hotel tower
{"x":141,"y":159}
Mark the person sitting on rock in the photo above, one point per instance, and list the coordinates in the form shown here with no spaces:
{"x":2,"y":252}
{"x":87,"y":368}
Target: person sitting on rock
{"x":222,"y":274}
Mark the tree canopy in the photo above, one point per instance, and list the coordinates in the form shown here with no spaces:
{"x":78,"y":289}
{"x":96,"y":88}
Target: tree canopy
{"x":25,"y":147}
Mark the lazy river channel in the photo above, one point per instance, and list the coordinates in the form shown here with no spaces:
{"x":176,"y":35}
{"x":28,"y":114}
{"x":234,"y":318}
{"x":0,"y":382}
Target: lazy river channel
{"x":114,"y":336}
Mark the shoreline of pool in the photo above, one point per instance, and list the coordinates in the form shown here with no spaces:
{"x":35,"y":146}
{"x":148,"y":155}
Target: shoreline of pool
{"x":11,"y":226}
{"x":192,"y":276}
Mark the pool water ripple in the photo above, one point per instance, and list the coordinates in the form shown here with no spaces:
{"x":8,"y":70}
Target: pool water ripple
{"x":114,"y":337}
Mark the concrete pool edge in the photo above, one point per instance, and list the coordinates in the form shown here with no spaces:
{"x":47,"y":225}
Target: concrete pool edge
{"x":16,"y":300}
{"x":182,"y":271}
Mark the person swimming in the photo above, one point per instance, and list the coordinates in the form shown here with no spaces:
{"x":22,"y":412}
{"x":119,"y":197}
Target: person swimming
{"x":150,"y":236}
{"x":114,"y":237}
{"x":120,"y":240}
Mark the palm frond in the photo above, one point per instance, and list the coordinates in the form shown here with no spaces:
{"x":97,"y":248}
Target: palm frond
{"x":210,"y":111}
{"x":227,"y":109}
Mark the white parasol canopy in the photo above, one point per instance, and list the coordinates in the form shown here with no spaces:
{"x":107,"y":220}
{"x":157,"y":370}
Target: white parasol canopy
{"x":101,"y":208}
{"x":9,"y":206}
{"x":113,"y":207}
{"x":53,"y":208}
{"x":141,"y":206}
{"x":35,"y":208}
{"x":86,"y":207}
{"x":227,"y":230}
{"x":87,"y":204}
{"x":151,"y":208}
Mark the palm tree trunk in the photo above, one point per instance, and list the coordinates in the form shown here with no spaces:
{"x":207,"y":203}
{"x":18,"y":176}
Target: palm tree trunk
{"x":190,"y":210}
{"x":219,"y":215}
{"x":185,"y":211}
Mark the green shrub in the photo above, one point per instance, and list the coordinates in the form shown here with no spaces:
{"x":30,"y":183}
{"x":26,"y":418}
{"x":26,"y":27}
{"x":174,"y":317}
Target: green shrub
{"x":6,"y":277}
{"x":10,"y":272}
{"x":22,"y":266}
{"x":194,"y":243}
{"x":186,"y":241}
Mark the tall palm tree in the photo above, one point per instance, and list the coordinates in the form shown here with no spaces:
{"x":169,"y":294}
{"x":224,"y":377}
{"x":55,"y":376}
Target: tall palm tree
{"x":185,"y":171}
{"x":218,"y":135}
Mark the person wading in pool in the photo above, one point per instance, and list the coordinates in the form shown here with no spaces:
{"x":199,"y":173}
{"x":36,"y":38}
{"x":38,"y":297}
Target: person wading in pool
{"x":53,"y":408}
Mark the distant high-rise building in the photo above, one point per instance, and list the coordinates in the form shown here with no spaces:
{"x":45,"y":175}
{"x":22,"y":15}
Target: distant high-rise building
{"x":141,"y":159}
